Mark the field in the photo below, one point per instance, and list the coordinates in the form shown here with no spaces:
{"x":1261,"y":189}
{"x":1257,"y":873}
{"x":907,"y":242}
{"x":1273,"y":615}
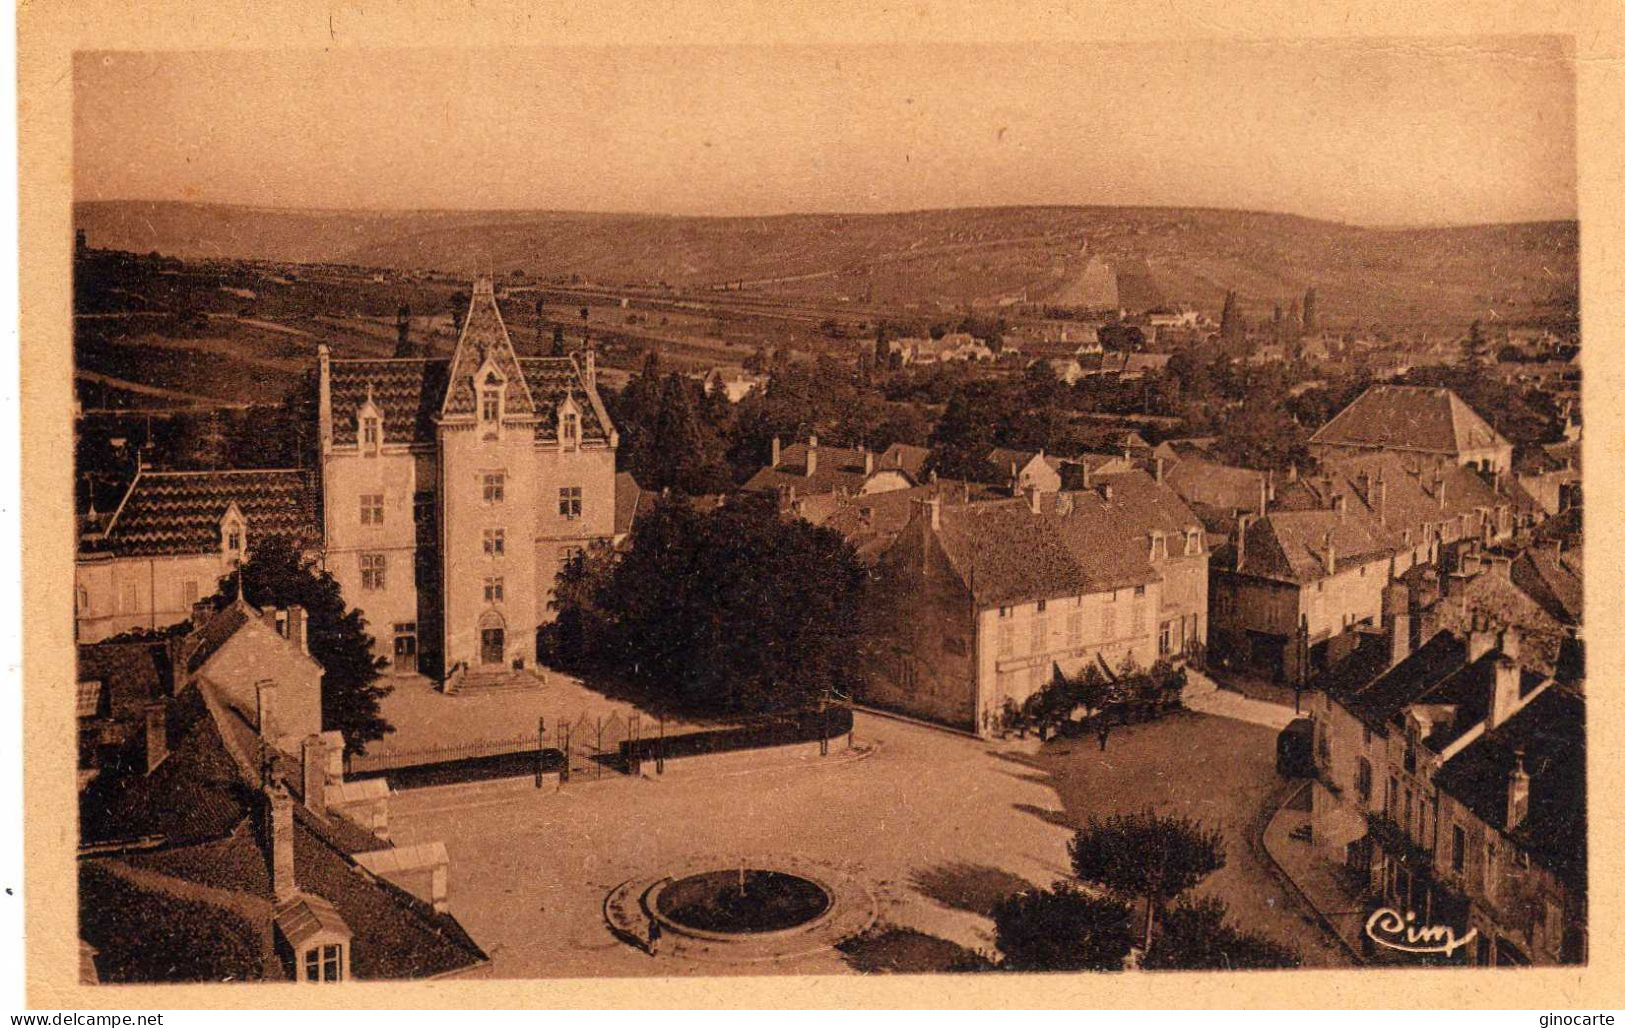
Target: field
{"x":1375,"y":277}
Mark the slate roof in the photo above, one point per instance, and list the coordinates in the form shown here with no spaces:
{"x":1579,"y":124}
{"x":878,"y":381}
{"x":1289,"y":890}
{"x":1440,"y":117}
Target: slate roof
{"x":1006,"y":554}
{"x":1550,"y":733}
{"x":484,"y":338}
{"x":1290,"y":545}
{"x":1426,"y":419}
{"x":199,"y":802}
{"x":133,"y":675}
{"x":1409,"y":493}
{"x":174,"y":513}
{"x":410,"y":391}
{"x":1554,"y":580}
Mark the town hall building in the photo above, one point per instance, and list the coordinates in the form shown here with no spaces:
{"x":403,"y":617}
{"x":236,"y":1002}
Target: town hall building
{"x":450,"y":490}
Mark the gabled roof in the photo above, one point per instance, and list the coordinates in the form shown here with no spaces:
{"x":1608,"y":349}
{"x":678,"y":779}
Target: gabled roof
{"x":1426,"y":419}
{"x":173,"y":513}
{"x":1402,"y":492}
{"x":837,"y":467}
{"x":1211,"y":484}
{"x":132,"y":674}
{"x":484,"y":340}
{"x":1290,"y":545}
{"x":1554,"y":579}
{"x":909,"y":458}
{"x":1549,"y":733}
{"x":1078,"y":543}
{"x":207,"y":815}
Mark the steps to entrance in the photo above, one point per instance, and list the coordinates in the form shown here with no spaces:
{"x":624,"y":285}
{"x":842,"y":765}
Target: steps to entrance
{"x":485,"y":682}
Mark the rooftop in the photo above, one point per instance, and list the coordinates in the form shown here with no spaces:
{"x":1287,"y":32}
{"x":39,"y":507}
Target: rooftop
{"x":171,"y":513}
{"x":1426,"y":419}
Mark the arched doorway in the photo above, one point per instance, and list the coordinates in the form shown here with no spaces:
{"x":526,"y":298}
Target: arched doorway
{"x":493,"y":638}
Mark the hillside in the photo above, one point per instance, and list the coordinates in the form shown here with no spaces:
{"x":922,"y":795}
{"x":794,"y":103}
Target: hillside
{"x":1373,"y":277}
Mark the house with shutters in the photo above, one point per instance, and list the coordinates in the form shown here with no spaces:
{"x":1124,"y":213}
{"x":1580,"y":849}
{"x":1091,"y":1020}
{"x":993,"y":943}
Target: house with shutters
{"x":1451,"y":786}
{"x":985,"y":599}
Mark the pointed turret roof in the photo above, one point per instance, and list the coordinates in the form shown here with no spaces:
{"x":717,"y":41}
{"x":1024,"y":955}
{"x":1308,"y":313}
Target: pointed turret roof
{"x":484,"y":340}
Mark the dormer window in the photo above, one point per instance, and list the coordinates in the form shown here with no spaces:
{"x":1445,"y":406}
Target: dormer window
{"x":233,"y":534}
{"x":369,"y":424}
{"x":1193,"y":542}
{"x":324,"y":963}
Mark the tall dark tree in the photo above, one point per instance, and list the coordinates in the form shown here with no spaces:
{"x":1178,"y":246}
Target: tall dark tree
{"x":1311,"y":312}
{"x":882,"y":348}
{"x":1196,"y":935}
{"x":1230,"y":328}
{"x":666,"y":616}
{"x":458,"y":304}
{"x":965,"y":433}
{"x":1062,"y":929}
{"x":560,"y":348}
{"x":276,"y":574}
{"x":1148,"y":856}
{"x":688,"y":456}
{"x":403,"y":332}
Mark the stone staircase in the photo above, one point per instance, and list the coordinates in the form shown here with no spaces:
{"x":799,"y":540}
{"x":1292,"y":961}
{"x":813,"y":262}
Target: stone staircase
{"x":465,"y":682}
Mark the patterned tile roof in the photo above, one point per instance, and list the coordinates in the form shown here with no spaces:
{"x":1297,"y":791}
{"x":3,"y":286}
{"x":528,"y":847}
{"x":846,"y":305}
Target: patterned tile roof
{"x":408,"y":391}
{"x":551,"y":379}
{"x":1427,"y":419}
{"x":171,"y":513}
{"x":484,"y":338}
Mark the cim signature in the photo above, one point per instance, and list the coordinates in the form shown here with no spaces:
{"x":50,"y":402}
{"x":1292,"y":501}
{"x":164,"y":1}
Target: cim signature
{"x":1387,"y":927}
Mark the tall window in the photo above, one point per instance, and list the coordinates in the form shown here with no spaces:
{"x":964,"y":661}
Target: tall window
{"x":493,"y":589}
{"x":324,"y":963}
{"x":495,"y":485}
{"x":370,"y":433}
{"x":372,"y":571}
{"x":570,"y":502}
{"x":1362,"y":780}
{"x":571,"y":427}
{"x":372,"y":508}
{"x":234,"y":541}
{"x":490,"y":404}
{"x":1458,"y":849}
{"x":495,"y":542}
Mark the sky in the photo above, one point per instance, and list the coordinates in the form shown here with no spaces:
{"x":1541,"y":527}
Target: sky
{"x":1373,"y":132}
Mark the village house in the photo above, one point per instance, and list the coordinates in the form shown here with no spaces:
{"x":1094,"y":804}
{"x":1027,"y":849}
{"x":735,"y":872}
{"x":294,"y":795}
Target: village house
{"x":244,"y":863}
{"x":1451,"y":786}
{"x":951,"y":348}
{"x":1428,"y":423}
{"x":803,"y":473}
{"x":173,"y":537}
{"x":987,"y":599}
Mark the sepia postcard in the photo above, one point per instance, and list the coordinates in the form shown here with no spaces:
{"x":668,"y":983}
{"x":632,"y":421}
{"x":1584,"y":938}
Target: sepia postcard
{"x":521,"y":516}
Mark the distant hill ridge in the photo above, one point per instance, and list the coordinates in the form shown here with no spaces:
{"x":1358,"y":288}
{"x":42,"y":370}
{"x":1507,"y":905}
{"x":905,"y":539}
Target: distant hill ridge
{"x":1451,"y":275}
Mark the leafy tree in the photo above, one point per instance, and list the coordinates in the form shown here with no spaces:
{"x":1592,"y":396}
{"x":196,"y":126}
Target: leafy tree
{"x":1196,"y":936}
{"x":276,"y":574}
{"x":965,"y":433}
{"x":1062,"y":929}
{"x":1149,"y":856}
{"x":666,"y":616}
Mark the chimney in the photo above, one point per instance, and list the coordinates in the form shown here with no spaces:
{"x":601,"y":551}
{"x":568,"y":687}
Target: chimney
{"x":1269,"y":485}
{"x":1331,"y":554}
{"x":812,"y":455}
{"x":1241,"y":539}
{"x":868,"y":462}
{"x":1507,"y":642}
{"x":1263,"y":496}
{"x":775,"y":451}
{"x":933,"y":507}
{"x":1396,"y":600}
{"x":1480,"y":640}
{"x":157,"y":736}
{"x":295,"y":627}
{"x":202,"y":611}
{"x":1105,"y":491}
{"x":1291,"y":472}
{"x":1085,"y":466}
{"x":313,"y":752}
{"x":265,"y":708}
{"x":1438,"y":486}
{"x":1340,"y":504}
{"x":1159,"y":464}
{"x":284,"y":887}
{"x":1382,"y":499}
{"x":1035,"y":499}
{"x":1517,"y":793}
